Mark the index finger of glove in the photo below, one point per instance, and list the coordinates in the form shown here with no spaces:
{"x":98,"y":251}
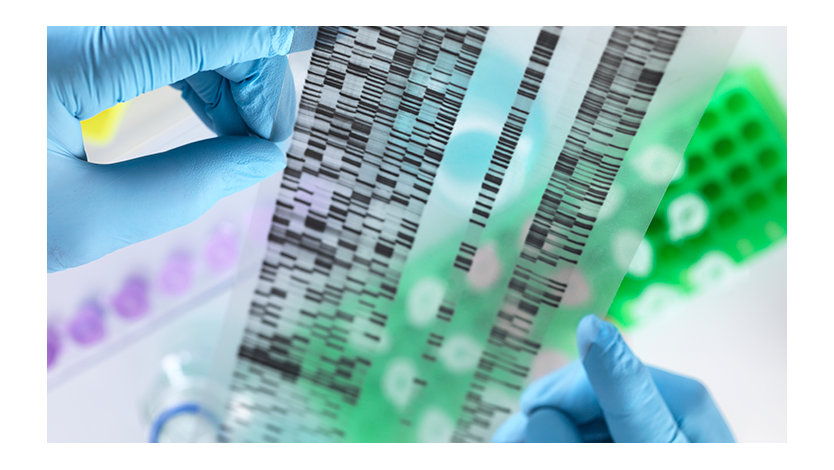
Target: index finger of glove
{"x":91,"y":69}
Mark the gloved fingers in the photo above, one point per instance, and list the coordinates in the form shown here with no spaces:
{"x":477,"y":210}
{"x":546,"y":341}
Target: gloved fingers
{"x":210,"y":95}
{"x":512,"y":430}
{"x":264,"y":93}
{"x":194,"y":102}
{"x":63,"y":136}
{"x":568,"y":390}
{"x":540,"y":389}
{"x":595,"y":431}
{"x":515,"y":428}
{"x":692,"y":406}
{"x":217,"y":103}
{"x":284,"y":122}
{"x":550,"y":425}
{"x":229,"y":123}
{"x":96,"y":209}
{"x":92,"y":69}
{"x":304,"y":38}
{"x":633,"y":408}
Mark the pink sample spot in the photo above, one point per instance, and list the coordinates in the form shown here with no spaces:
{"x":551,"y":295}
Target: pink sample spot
{"x":177,"y":274}
{"x":87,"y":326}
{"x":221,"y":251}
{"x":132,"y":299}
{"x":53,"y":346}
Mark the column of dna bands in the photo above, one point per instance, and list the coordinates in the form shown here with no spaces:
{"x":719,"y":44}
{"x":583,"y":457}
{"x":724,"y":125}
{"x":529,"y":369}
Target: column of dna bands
{"x":377,"y":110}
{"x":620,"y":91}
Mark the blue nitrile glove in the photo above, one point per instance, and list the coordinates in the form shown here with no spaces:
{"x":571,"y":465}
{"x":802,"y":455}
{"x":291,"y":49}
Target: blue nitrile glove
{"x":611,"y":396}
{"x":232,"y":77}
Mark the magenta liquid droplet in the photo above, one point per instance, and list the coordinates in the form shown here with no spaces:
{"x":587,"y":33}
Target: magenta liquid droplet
{"x":222,"y":249}
{"x":132,"y":299}
{"x":87,"y":326}
{"x":177,"y":274}
{"x":53,"y":346}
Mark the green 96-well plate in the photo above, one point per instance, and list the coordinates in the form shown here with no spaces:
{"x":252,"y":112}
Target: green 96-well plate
{"x":727,"y":205}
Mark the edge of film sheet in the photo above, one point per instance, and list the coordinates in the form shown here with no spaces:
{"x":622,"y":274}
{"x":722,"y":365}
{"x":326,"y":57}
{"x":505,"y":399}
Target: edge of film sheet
{"x":455,"y":200}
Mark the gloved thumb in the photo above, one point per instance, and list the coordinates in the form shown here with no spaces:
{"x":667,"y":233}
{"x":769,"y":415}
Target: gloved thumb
{"x":633,"y":408}
{"x":94,"y":209}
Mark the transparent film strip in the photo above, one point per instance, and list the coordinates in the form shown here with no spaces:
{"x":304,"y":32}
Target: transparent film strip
{"x":455,"y":199}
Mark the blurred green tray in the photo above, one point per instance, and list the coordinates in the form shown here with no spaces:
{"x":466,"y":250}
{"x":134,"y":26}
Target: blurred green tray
{"x":727,"y":205}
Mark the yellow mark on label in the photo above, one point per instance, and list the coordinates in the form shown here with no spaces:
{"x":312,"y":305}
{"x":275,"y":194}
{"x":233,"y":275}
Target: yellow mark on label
{"x":101,"y":128}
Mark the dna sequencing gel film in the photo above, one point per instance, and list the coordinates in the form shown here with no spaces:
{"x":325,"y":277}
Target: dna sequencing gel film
{"x":455,"y":199}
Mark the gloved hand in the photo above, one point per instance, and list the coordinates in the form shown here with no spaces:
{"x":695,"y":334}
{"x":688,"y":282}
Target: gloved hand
{"x":609,"y":395}
{"x":232,"y":77}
